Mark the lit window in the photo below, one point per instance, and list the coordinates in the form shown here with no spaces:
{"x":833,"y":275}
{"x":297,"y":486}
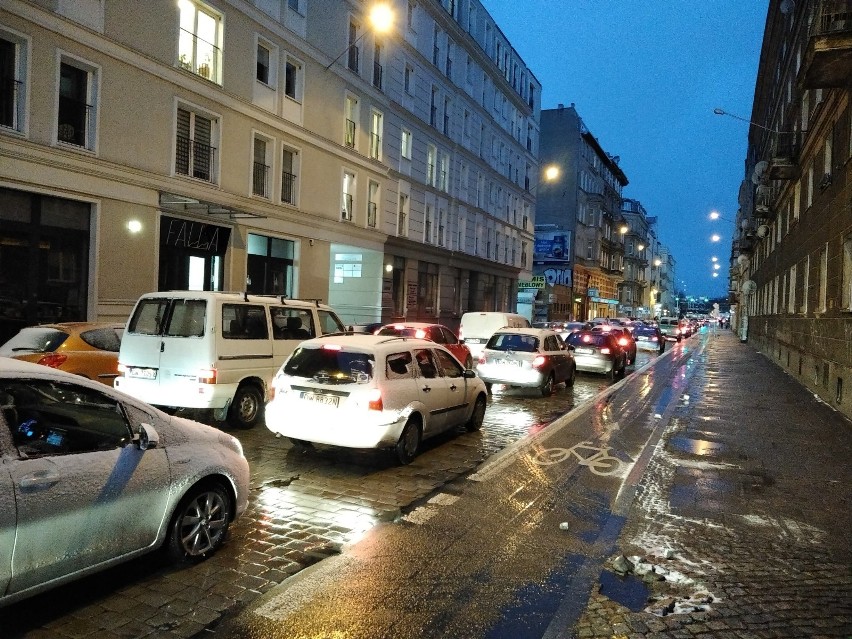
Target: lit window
{"x":199,"y":42}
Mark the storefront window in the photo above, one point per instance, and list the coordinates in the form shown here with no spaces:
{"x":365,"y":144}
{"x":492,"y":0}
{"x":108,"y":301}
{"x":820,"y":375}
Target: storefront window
{"x":191,"y":255}
{"x":270,"y":265}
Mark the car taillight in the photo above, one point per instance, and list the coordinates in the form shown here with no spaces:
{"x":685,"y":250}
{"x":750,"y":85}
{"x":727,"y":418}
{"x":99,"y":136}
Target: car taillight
{"x":539,"y":361}
{"x":207,"y":376}
{"x":623,"y":342}
{"x":653,"y":338}
{"x":375,"y":398}
{"x":482,"y":358}
{"x":122,"y":368}
{"x":54,"y":360}
{"x":605,"y":351}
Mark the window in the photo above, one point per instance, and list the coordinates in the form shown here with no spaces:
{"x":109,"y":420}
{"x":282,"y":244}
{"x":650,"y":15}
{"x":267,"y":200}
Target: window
{"x":376,"y":136}
{"x":447,"y":113}
{"x":372,"y":204}
{"x":348,"y":196}
{"x":827,"y":159}
{"x":377,"y":66}
{"x":262,"y":65}
{"x":77,"y":97}
{"x":199,"y":40}
{"x":791,"y":291}
{"x":353,"y":60}
{"x":797,"y":200}
{"x":408,"y":79}
{"x":809,"y":194}
{"x":351,"y":113}
{"x":405,"y":144}
{"x":409,"y":15}
{"x":431,"y":159}
{"x":289,"y":158}
{"x":433,"y":108}
{"x":427,"y":224}
{"x":294,"y":5}
{"x":260,"y":167}
{"x":436,"y":49}
{"x":402,"y":216}
{"x":195,"y":153}
{"x":293,"y":79}
{"x":441,"y":228}
{"x":806,"y":284}
{"x":444,"y":172}
{"x":13,"y":64}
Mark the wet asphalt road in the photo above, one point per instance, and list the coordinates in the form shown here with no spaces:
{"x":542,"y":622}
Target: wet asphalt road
{"x":304,"y":505}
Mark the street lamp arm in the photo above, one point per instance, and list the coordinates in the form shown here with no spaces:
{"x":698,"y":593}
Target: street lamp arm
{"x":357,"y":40}
{"x":719,"y":111}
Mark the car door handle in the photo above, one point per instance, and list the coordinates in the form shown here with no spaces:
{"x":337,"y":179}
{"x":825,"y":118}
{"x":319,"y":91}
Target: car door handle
{"x":453,"y":387}
{"x":41,"y":479}
{"x":426,"y":389}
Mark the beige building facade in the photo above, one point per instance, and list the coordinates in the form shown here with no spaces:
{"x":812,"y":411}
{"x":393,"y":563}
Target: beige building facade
{"x":272,"y":147}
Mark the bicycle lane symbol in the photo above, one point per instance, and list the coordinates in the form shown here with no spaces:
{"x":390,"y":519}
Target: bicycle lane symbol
{"x":600,"y":462}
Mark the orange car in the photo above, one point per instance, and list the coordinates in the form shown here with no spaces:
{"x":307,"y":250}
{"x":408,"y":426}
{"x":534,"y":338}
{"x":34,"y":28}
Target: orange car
{"x":89,"y":349}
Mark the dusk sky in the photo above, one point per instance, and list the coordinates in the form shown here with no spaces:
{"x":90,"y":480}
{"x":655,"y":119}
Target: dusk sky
{"x":645,"y":78}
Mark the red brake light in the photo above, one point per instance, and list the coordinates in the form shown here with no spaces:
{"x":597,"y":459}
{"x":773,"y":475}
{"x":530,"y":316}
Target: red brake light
{"x":207,"y":376}
{"x":539,"y":361}
{"x":605,"y":351}
{"x":482,"y":358}
{"x":399,"y":327}
{"x":623,"y":341}
{"x":587,"y":338}
{"x":419,"y":333}
{"x":331,"y":347}
{"x":54,"y":360}
{"x":375,"y":398}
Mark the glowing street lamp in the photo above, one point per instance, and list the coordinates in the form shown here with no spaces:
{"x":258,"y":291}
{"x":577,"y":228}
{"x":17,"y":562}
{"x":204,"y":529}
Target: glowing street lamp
{"x":714,"y":259}
{"x":381,"y":18}
{"x":551,"y":173}
{"x":715,"y":237}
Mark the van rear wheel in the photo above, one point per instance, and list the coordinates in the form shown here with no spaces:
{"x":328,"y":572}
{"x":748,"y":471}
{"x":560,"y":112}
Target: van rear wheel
{"x":247,"y":407}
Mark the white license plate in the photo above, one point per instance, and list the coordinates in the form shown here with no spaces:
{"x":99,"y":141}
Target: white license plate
{"x":584,"y":351}
{"x":472,"y":340}
{"x":641,"y":338}
{"x":509,"y":362}
{"x":328,"y":400}
{"x":142,"y":373}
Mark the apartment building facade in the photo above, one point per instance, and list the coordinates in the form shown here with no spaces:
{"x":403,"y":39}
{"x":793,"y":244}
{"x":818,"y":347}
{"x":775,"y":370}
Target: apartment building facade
{"x":278,"y":146}
{"x":791,"y":261}
{"x":578,"y":215}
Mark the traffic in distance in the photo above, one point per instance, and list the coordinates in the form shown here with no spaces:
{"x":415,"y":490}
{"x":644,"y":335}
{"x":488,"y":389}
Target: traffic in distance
{"x":77,"y":446}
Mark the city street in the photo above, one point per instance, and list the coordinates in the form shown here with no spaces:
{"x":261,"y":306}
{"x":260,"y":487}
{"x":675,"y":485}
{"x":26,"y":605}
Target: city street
{"x":305,"y":505}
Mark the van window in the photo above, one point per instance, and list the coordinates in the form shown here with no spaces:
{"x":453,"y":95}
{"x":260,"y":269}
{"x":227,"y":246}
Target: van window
{"x":187,"y":318}
{"x":330,"y":323}
{"x":148,"y":317}
{"x":244,"y":321}
{"x":292,"y":323}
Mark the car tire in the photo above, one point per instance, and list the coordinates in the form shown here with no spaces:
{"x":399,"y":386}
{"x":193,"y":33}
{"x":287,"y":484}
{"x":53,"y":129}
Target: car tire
{"x":409,"y":442}
{"x":572,"y":377}
{"x":247,"y":407}
{"x":547,"y":387}
{"x":200,"y":523}
{"x":478,"y":415}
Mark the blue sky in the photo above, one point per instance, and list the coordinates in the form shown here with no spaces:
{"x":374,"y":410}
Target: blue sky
{"x":645,"y":77}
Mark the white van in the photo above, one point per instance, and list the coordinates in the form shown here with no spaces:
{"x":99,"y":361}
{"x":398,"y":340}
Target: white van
{"x":213,"y":350}
{"x":476,"y":328}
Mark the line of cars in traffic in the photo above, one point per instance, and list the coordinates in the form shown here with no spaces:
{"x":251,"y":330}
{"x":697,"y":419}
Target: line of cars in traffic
{"x":117,"y":443}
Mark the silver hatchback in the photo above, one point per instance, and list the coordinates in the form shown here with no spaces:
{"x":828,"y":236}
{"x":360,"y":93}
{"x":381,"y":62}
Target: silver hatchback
{"x":527,"y":358}
{"x":90,"y":478}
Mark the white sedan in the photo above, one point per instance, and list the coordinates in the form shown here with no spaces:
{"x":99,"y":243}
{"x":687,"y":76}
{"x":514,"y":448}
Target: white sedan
{"x":373,"y":391}
{"x":90,"y":477}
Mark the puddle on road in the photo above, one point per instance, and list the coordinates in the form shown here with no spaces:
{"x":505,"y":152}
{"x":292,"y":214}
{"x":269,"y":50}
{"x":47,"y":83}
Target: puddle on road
{"x":704,"y":489}
{"x":700,"y":447}
{"x":630,"y":591}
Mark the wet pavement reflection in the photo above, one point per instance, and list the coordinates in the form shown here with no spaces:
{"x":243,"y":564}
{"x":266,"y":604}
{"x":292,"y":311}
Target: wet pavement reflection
{"x":305,"y":504}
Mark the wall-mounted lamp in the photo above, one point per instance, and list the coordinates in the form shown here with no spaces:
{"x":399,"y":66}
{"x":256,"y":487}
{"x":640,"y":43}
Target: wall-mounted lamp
{"x":134,"y":226}
{"x":311,"y":242}
{"x":388,"y":268}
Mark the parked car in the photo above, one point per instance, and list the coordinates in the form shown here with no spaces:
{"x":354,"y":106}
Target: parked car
{"x":670,"y":328}
{"x":598,"y":352}
{"x":527,"y":358}
{"x":437,"y":333}
{"x":91,"y":478}
{"x":368,"y":329}
{"x":571,"y":327}
{"x":216,"y":351}
{"x":89,"y":349}
{"x":373,"y":391}
{"x":626,"y":341}
{"x":649,"y":338}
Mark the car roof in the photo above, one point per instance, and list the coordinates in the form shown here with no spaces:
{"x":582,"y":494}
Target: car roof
{"x":411,"y":324}
{"x":78,"y":327}
{"x":535,"y":332}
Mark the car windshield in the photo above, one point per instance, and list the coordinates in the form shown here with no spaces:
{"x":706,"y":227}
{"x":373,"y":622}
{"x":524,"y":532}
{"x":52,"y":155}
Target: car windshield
{"x":513,"y":342}
{"x":330,"y":365}
{"x":645,"y":330}
{"x":35,"y":339}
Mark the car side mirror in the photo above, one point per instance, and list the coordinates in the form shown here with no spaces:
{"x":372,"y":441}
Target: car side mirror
{"x":570,"y":347}
{"x":469,"y":373}
{"x":146,"y":437}
{"x":461,"y":341}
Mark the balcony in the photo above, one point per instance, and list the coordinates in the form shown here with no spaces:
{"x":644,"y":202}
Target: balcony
{"x":784,"y":156}
{"x":828,"y":56}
